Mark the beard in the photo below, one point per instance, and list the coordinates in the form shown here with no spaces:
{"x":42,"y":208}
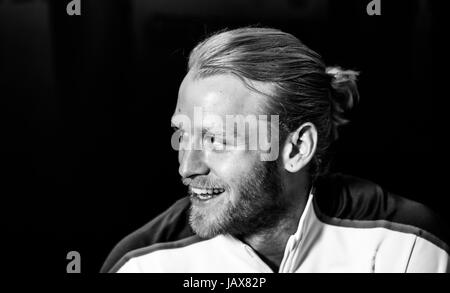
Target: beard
{"x":258,"y":206}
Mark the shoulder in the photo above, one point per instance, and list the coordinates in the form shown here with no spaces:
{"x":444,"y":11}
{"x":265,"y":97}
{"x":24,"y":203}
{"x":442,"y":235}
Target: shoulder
{"x":150,"y":255}
{"x":192,"y":254}
{"x":349,"y":201}
{"x":169,"y":226}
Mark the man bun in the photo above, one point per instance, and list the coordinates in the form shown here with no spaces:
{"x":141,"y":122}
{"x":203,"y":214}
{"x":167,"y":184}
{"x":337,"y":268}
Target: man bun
{"x":343,"y":95}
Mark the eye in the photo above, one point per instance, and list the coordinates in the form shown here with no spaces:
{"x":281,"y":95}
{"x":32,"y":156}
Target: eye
{"x":214,"y":141}
{"x":209,"y":138}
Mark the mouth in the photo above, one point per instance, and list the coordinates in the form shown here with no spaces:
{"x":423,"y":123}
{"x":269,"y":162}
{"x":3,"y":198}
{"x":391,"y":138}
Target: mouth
{"x":205,"y":194}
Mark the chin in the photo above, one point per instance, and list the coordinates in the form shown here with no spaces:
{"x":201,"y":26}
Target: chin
{"x":203,"y":228}
{"x":207,"y":222}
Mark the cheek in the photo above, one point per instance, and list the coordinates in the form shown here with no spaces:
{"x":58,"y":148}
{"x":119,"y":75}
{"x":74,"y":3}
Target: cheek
{"x":231,"y":167}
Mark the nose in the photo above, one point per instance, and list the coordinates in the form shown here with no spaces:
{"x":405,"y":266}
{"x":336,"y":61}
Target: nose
{"x":192,"y":163}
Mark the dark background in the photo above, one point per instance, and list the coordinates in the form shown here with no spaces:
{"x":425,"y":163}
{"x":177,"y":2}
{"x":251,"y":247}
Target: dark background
{"x":86,"y":103}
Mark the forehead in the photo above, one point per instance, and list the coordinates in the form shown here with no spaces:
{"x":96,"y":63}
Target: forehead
{"x":221,"y":95}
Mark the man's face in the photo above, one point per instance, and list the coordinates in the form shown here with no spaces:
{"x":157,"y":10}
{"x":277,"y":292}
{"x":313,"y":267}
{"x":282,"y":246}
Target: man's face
{"x":232,"y":190}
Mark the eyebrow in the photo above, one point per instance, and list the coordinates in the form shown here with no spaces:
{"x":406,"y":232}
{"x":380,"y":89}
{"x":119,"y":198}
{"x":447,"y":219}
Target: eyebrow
{"x":205,"y":130}
{"x":208,"y":129}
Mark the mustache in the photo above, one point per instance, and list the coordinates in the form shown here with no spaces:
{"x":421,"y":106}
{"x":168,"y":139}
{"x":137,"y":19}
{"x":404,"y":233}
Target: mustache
{"x":203,"y":182}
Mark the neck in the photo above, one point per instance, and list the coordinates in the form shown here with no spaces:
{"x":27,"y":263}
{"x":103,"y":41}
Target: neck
{"x":270,"y":243}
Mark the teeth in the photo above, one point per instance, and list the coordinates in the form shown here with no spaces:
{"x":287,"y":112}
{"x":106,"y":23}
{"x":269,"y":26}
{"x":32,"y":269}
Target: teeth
{"x":199,"y":191}
{"x":204,"y":197}
{"x":206,"y":193}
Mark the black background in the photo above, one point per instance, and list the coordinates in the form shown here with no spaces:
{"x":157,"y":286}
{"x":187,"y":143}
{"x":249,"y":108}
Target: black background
{"x":86,"y":104}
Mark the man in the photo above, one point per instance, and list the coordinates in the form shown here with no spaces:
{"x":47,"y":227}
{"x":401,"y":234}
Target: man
{"x":273,"y":207}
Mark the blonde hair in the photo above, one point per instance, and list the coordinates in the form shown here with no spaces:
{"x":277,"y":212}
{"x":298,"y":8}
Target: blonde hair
{"x":304,"y":89}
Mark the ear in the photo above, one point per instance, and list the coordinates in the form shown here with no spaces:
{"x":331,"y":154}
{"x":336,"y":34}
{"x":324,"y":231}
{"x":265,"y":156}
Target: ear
{"x":299,"y":147}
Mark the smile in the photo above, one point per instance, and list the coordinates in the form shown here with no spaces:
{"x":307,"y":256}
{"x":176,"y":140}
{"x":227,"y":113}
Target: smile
{"x":205,"y":193}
